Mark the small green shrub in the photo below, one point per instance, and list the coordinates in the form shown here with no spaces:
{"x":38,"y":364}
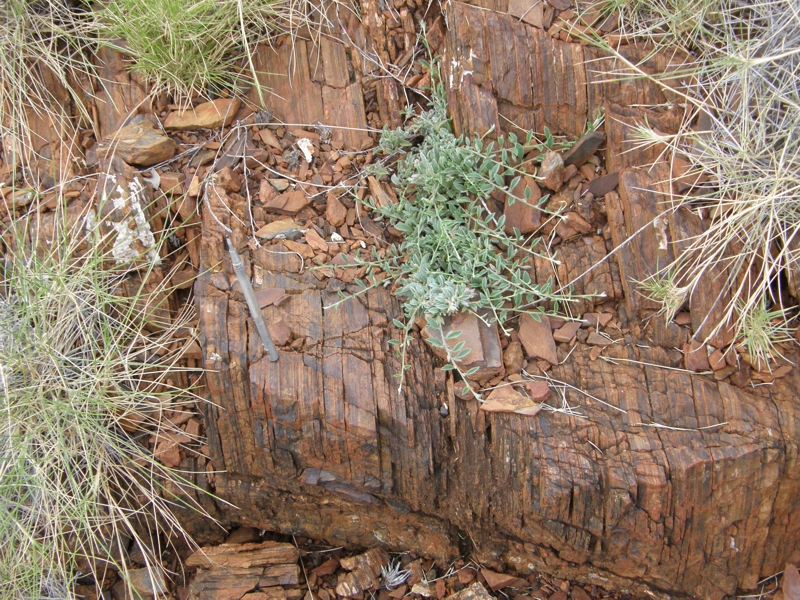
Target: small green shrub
{"x":83,"y":385}
{"x":455,"y":255}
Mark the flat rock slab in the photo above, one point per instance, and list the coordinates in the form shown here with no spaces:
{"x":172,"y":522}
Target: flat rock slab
{"x":306,"y":87}
{"x":537,"y":338}
{"x":328,"y":426}
{"x":234,"y":555}
{"x":643,"y":494}
{"x":208,"y":115}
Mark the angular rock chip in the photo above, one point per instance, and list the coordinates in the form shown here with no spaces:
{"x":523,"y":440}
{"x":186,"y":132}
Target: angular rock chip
{"x":584,"y":148}
{"x":595,"y":339}
{"x":498,"y":581}
{"x":482,"y":341}
{"x":315,"y":240}
{"x":552,"y":171}
{"x":280,"y":333}
{"x":172,"y":183}
{"x":539,"y":391}
{"x":426,"y":590}
{"x":147,"y":582}
{"x":530,"y":11}
{"x":287,"y":228}
{"x":790,"y":585}
{"x":244,"y":555}
{"x":208,"y":115}
{"x":289,"y":203}
{"x":474,"y":592}
{"x":602,"y":185}
{"x":364,"y":572}
{"x":513,"y":358}
{"x":327,"y":568}
{"x":566,"y":332}
{"x":243,"y":535}
{"x":142,"y":144}
{"x":695,"y":356}
{"x":507,"y":399}
{"x":382,"y":195}
{"x":303,"y":250}
{"x":523,"y":214}
{"x":537,"y":338}
{"x":335,"y":212}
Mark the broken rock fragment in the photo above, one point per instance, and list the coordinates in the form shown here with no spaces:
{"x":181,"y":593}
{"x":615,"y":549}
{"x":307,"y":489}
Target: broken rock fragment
{"x":288,"y":203}
{"x":507,"y":399}
{"x":596,"y":339}
{"x":513,"y":358}
{"x":208,"y":115}
{"x":482,"y":341}
{"x":335,"y":212}
{"x":228,"y":571}
{"x":280,"y":332}
{"x":365,"y":570}
{"x":566,"y":332}
{"x":147,"y":582}
{"x":695,"y":356}
{"x":172,"y":183}
{"x":602,"y":185}
{"x":244,"y":555}
{"x":537,"y":338}
{"x":474,"y":592}
{"x":142,"y":144}
{"x":539,"y":391}
{"x":382,"y":195}
{"x":498,"y":581}
{"x":551,"y":171}
{"x":530,"y":11}
{"x":584,"y":148}
{"x":523,"y":214}
{"x":287,"y":228}
{"x":315,"y":240}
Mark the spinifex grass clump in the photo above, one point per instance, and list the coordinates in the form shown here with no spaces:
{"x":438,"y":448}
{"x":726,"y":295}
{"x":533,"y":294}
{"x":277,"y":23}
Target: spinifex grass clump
{"x":41,"y":48}
{"x":186,"y":46}
{"x":181,"y":46}
{"x":742,"y":91}
{"x":455,"y":255}
{"x":83,"y":385}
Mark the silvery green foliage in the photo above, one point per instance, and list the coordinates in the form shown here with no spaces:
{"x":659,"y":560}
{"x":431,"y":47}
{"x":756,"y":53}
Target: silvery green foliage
{"x":436,"y":295}
{"x":455,"y":255}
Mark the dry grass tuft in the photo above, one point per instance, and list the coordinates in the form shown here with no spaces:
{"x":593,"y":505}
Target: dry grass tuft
{"x":742,"y":95}
{"x":83,"y":384}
